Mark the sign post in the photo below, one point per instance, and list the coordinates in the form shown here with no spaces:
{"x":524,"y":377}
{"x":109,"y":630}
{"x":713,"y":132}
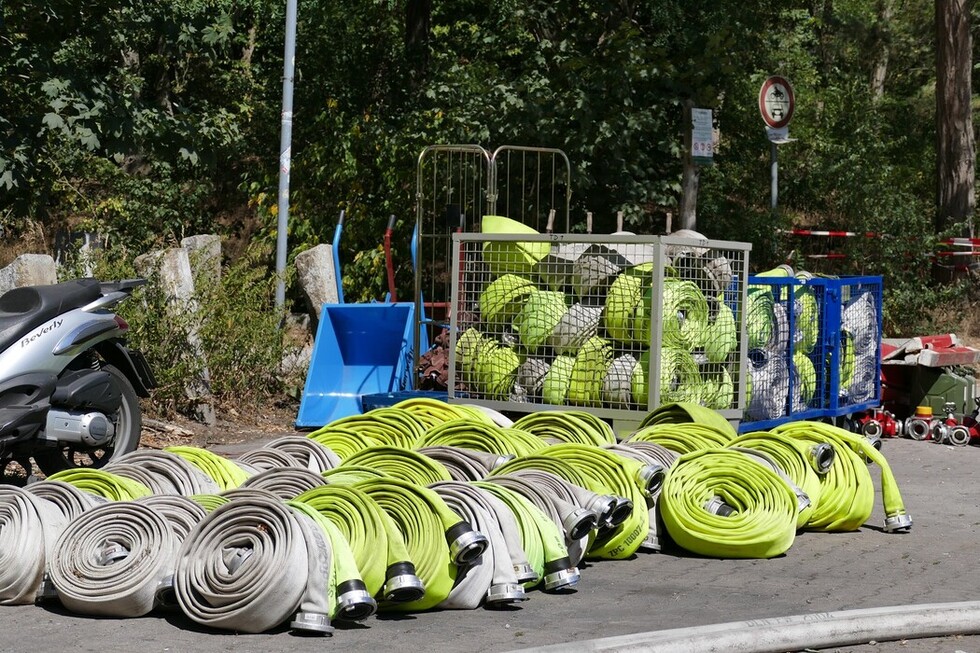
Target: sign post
{"x":702,"y":137}
{"x":776,"y":104}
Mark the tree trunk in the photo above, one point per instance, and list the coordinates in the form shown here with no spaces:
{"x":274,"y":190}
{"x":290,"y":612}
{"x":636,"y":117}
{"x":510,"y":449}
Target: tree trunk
{"x":691,"y":175}
{"x":882,"y":48}
{"x":955,"y":147}
{"x":418,"y":19}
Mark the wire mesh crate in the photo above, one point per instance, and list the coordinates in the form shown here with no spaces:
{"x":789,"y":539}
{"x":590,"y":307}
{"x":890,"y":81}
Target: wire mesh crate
{"x":613,"y":324}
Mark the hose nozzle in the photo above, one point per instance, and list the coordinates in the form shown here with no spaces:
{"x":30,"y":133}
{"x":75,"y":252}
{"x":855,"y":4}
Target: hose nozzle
{"x":465,"y":543}
{"x":504,"y":594}
{"x":312,"y":623}
{"x":821,"y":457}
{"x":353,"y":601}
{"x":402,"y":585}
{"x":578,"y":523}
{"x":651,"y":479}
{"x":898,"y":523}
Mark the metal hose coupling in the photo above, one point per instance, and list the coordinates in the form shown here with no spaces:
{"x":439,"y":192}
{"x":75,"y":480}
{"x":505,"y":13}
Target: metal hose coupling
{"x":560,"y":573}
{"x":900,"y":523}
{"x":465,"y":543}
{"x":505,"y":594}
{"x":603,"y":506}
{"x":577,"y":523}
{"x":47,"y":591}
{"x":525,"y":573}
{"x":622,"y":512}
{"x":165,"y":596}
{"x":717,"y":506}
{"x":940,"y":432}
{"x":651,"y":479}
{"x":821,"y":457}
{"x":402,"y":584}
{"x":312,"y":623}
{"x":353,"y":601}
{"x":959,"y":436}
{"x":502,"y":460}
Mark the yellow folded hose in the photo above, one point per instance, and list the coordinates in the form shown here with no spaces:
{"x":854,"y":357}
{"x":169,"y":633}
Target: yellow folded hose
{"x":224,"y":472}
{"x":111,"y":560}
{"x":29,"y":528}
{"x":495,"y":371}
{"x":103,"y":484}
{"x":554,"y":390}
{"x":723,"y":504}
{"x":848,"y":493}
{"x":350,"y":474}
{"x":467,"y":434}
{"x":376,"y":544}
{"x":588,"y":371}
{"x":210,"y":502}
{"x":342,"y":441}
{"x":470,"y":346}
{"x":682,"y":412}
{"x":806,"y":379}
{"x":718,"y":389}
{"x":432,"y":412}
{"x":623,"y":307}
{"x":403,"y":464}
{"x":685,"y":315}
{"x":807,"y":320}
{"x":386,"y":426}
{"x":501,"y":301}
{"x":760,"y":317}
{"x":567,"y":426}
{"x":538,"y":318}
{"x":682,"y":438}
{"x":680,"y":379}
{"x":721,"y":337}
{"x":438,"y":540}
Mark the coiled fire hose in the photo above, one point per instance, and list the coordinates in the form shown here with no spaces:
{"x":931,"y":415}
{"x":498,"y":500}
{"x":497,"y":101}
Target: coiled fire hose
{"x":804,"y":463}
{"x":285,"y":482}
{"x":682,"y":438}
{"x":760,"y":321}
{"x":717,"y":387}
{"x":847,"y":494}
{"x":653,"y":454}
{"x":182,"y":513}
{"x":722,"y":334}
{"x":491,"y":577}
{"x":309,"y":453}
{"x":112,"y":560}
{"x":185,"y":478}
{"x":253,"y":563}
{"x":567,"y":426}
{"x":377,"y":545}
{"x":347,"y":593}
{"x":539,"y":317}
{"x":404,"y":464}
{"x":722,"y":503}
{"x":29,"y":527}
{"x":343,"y":442}
{"x":157,"y":484}
{"x":805,"y":381}
{"x":501,"y":301}
{"x":432,"y":412}
{"x":225,"y":473}
{"x":680,"y":379}
{"x":541,"y":540}
{"x":465,"y":464}
{"x":623,"y":308}
{"x":351,"y":474}
{"x":685,"y":315}
{"x":682,"y":412}
{"x":383,"y":426}
{"x":576,"y":523}
{"x":103,"y":484}
{"x":609,"y":510}
{"x":66,"y":497}
{"x":265,"y":459}
{"x":438,"y":540}
{"x":466,"y":434}
{"x":210,"y":502}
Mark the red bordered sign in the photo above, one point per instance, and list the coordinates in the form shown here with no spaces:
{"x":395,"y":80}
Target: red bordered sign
{"x":776,"y":102}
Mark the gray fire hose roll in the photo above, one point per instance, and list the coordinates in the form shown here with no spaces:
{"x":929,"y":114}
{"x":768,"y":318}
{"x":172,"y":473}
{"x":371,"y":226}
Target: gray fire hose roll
{"x":653,"y":454}
{"x":182,"y":513}
{"x":251,"y":564}
{"x":286,"y":482}
{"x":185,"y":477}
{"x":265,"y":459}
{"x":157,"y":483}
{"x":112,"y":560}
{"x":465,"y":464}
{"x":491,"y":577}
{"x":310,"y":454}
{"x":29,"y":528}
{"x":66,"y":497}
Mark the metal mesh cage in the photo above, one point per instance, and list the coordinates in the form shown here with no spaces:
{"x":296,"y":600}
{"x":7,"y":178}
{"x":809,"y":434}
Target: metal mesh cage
{"x":561,"y":320}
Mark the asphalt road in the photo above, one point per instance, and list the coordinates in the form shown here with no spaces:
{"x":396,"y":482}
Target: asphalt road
{"x":935,"y":563}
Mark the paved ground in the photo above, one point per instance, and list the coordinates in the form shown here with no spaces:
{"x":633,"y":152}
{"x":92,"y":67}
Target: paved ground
{"x":934,"y":563}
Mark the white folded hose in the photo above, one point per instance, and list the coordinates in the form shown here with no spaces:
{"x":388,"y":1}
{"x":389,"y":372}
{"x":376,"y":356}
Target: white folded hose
{"x":69,"y":499}
{"x":860,"y":320}
{"x":491,"y":577}
{"x":157,"y":483}
{"x":253,"y":563}
{"x":185,"y":477}
{"x":112,"y":560}
{"x":309,"y":453}
{"x":286,"y":482}
{"x":265,"y":459}
{"x":769,"y":375}
{"x":465,"y":464}
{"x":29,"y":528}
{"x":182,"y":513}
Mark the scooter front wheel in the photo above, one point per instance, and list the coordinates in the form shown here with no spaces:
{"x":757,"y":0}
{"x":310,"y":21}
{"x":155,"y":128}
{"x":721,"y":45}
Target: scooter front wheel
{"x":128,"y":422}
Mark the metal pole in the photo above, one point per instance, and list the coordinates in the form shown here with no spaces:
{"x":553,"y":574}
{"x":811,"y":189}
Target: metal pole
{"x":774,"y":177}
{"x":285,"y":147}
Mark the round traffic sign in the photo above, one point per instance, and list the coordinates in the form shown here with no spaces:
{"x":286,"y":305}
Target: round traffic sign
{"x":776,"y":102}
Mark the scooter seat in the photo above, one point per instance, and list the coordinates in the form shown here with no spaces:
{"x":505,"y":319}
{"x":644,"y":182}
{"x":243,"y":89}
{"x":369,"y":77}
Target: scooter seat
{"x":25,"y":309}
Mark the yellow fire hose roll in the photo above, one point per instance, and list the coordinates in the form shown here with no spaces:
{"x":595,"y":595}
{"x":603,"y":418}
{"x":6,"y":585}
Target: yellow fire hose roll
{"x":541,"y":539}
{"x":682,"y":438}
{"x":285,"y":482}
{"x":342,"y":441}
{"x":103,"y":484}
{"x":346,"y":591}
{"x":403,"y":464}
{"x":538,"y":318}
{"x":431,"y":412}
{"x":566,"y":426}
{"x":723,"y":504}
{"x":438,"y":540}
{"x":224,"y":472}
{"x":377,"y":545}
{"x":386,"y":426}
{"x":29,"y":528}
{"x":253,"y":563}
{"x":490,"y":438}
{"x":111,"y":560}
{"x":685,"y":322}
{"x":683,"y":412}
{"x":721,"y":338}
{"x":848,"y":489}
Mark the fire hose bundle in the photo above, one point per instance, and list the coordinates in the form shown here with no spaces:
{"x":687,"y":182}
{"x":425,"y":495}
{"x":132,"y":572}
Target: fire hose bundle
{"x":494,"y":513}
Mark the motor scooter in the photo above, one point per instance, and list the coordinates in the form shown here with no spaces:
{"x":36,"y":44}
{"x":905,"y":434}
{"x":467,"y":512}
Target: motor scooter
{"x":69,"y":385}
